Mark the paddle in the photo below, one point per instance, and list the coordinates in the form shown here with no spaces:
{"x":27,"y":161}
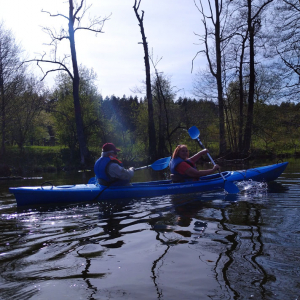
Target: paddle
{"x":159,"y":165}
{"x":229,"y":186}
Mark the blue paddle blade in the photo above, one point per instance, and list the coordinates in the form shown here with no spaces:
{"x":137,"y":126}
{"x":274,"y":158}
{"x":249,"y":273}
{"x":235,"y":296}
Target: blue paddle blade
{"x":194,"y":132}
{"x":92,"y":180}
{"x":230,"y":187}
{"x":161,"y":164}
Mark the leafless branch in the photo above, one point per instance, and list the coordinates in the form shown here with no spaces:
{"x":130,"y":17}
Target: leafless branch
{"x":54,"y":35}
{"x":56,"y":15}
{"x":78,"y":9}
{"x":62,"y":66}
{"x":260,"y":9}
{"x":139,"y":90}
{"x":293,"y":67}
{"x":96,"y":25}
{"x":201,"y":51}
{"x":137,"y":7}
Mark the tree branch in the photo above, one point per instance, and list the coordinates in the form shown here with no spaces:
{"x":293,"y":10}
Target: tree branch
{"x":78,"y":9}
{"x":56,"y":36}
{"x":57,"y":15}
{"x":62,"y":67}
{"x":96,"y":25}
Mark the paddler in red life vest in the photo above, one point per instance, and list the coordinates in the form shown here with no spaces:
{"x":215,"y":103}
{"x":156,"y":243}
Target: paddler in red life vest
{"x":183,"y":168}
{"x":109,"y":170}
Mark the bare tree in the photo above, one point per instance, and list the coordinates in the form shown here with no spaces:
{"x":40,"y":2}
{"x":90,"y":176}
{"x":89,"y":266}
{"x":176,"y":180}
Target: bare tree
{"x":254,"y":10}
{"x":151,"y":127}
{"x":286,"y":41}
{"x":163,"y":93}
{"x":236,"y":33}
{"x":215,"y":56}
{"x":74,"y":18}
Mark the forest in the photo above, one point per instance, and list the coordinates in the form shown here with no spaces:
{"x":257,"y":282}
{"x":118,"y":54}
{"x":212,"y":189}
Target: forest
{"x":245,"y":104}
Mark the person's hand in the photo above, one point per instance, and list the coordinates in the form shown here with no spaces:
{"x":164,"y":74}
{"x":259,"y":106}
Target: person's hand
{"x":216,"y":167}
{"x":131,"y":168}
{"x":204,"y":151}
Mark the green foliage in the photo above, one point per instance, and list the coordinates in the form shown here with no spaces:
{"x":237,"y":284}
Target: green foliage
{"x":33,"y":159}
{"x":27,"y":108}
{"x":63,"y":108}
{"x":124,"y":122}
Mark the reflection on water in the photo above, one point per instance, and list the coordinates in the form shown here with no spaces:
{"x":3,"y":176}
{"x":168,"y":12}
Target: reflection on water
{"x":196,"y":246}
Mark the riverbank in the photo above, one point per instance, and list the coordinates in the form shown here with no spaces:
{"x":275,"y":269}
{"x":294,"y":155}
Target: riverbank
{"x":34,"y":160}
{"x":37,"y":159}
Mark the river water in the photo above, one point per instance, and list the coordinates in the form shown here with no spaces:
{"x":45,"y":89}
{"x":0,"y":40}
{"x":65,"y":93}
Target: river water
{"x":196,"y":246}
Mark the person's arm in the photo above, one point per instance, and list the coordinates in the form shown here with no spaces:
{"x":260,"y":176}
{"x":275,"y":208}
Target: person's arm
{"x":116,"y":171}
{"x":196,"y":157}
{"x":191,"y":172}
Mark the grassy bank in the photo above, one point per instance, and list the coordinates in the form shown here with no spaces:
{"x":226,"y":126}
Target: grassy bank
{"x":37,"y":159}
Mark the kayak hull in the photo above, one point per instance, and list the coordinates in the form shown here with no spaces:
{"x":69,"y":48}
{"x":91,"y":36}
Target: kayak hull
{"x":92,"y":192}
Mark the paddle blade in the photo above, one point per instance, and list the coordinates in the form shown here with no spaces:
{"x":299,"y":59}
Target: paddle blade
{"x":194,"y":132}
{"x":92,"y":180}
{"x":161,"y":164}
{"x":230,"y":187}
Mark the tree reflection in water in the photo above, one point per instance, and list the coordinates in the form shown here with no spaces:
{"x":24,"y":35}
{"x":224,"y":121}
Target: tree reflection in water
{"x":237,"y":242}
{"x":238,"y":264}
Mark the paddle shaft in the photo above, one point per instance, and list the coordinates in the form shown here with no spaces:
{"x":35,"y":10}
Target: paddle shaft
{"x":140,"y":168}
{"x":159,"y":165}
{"x":211,"y":159}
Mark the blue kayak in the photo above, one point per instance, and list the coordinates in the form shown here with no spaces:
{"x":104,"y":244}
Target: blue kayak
{"x":95,"y":192}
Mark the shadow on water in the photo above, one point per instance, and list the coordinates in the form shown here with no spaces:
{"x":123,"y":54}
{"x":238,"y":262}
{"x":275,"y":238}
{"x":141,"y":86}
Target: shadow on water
{"x":277,"y":187}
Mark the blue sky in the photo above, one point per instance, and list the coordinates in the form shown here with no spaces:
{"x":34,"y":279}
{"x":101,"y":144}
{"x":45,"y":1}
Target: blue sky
{"x":115,"y":55}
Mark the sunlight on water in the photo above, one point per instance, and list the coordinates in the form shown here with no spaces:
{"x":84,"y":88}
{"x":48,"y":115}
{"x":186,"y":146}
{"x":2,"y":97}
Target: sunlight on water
{"x":252,"y":187}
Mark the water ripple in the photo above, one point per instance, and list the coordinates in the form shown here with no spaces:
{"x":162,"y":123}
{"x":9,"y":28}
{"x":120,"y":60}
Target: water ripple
{"x":196,"y":246}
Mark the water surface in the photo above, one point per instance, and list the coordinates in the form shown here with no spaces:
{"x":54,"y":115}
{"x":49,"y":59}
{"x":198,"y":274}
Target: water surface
{"x":196,"y":246}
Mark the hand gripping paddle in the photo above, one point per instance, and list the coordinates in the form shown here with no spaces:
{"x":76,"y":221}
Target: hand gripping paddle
{"x":229,"y":186}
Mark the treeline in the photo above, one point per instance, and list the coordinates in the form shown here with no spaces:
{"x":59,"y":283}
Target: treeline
{"x":246,"y":100}
{"x":124,"y":121}
{"x":50,"y":121}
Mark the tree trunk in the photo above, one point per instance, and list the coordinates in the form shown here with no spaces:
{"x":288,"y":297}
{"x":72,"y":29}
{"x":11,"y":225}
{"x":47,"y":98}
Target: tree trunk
{"x":161,"y":135}
{"x":3,"y":116}
{"x":222,"y":139}
{"x":151,"y":127}
{"x":249,"y":121}
{"x":241,"y":98}
{"x":84,"y":152}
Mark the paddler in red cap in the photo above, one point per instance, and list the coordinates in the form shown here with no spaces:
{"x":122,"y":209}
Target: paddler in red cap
{"x":109,"y":170}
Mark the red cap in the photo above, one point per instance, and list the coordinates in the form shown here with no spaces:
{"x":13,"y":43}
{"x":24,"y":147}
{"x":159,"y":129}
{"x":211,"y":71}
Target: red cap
{"x":108,"y":147}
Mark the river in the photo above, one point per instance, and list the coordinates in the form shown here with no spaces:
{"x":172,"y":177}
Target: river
{"x":196,"y":246}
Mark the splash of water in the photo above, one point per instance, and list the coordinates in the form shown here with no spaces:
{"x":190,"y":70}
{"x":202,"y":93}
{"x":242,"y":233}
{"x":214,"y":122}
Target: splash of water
{"x":252,"y":187}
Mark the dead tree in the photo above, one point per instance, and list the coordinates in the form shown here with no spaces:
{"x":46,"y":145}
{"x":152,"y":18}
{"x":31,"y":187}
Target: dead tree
{"x":151,"y":127}
{"x":74,"y":18}
{"x":254,"y":12}
{"x":215,"y":58}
